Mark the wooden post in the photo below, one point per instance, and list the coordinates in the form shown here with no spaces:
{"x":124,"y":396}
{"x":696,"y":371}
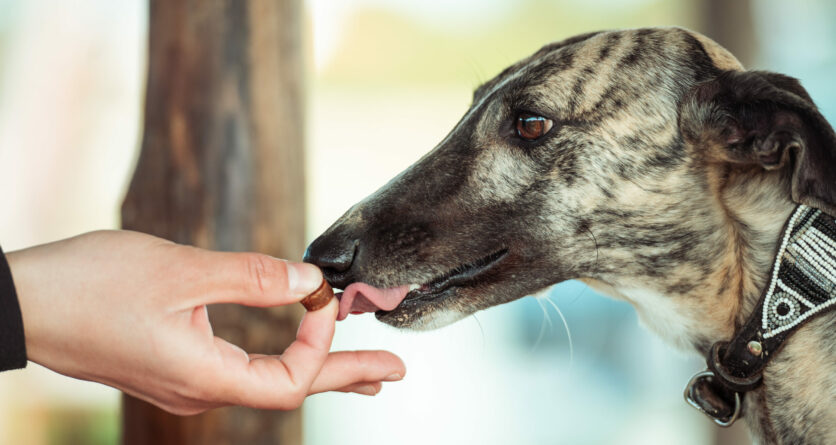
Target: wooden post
{"x":731,"y":24}
{"x":221,"y":167}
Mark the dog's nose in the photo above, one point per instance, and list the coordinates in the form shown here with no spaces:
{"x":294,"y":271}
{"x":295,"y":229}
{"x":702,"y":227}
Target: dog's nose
{"x":334,"y":256}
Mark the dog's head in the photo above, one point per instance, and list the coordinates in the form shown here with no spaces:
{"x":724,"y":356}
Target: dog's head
{"x":603,"y":157}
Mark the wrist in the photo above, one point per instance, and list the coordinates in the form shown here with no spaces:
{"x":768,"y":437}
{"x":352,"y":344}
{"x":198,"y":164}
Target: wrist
{"x":20,"y":264}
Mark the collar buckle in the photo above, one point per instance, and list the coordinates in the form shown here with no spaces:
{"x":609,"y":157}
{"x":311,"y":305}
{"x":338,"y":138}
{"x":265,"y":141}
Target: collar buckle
{"x":708,"y":396}
{"x":748,"y":374}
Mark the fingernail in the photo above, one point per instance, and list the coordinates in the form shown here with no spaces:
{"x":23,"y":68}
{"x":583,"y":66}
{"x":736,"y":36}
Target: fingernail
{"x":393,"y":377}
{"x":303,"y":278}
{"x":367,"y":390}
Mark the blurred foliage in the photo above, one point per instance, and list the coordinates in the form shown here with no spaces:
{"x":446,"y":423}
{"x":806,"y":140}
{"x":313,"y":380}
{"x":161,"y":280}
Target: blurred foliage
{"x":74,"y":426}
{"x":384,"y":46}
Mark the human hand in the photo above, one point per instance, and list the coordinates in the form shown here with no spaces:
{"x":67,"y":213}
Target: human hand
{"x":129,"y":310}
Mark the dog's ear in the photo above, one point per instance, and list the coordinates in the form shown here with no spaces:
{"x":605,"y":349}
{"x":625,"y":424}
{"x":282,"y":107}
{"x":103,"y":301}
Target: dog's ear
{"x":757,"y":118}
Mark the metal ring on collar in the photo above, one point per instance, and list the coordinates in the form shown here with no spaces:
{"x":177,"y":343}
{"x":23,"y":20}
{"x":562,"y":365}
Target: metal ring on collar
{"x":719,"y":421}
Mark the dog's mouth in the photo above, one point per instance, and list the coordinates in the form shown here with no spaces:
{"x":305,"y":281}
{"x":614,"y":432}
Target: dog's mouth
{"x":360,"y":297}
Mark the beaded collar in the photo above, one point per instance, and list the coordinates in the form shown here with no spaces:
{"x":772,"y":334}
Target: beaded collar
{"x":803,"y":284}
{"x":804,"y":277}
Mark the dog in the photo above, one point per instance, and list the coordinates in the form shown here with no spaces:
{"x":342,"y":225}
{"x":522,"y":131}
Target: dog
{"x":646,"y":163}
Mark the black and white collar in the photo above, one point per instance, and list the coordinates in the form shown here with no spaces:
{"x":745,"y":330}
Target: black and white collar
{"x":802,"y":285}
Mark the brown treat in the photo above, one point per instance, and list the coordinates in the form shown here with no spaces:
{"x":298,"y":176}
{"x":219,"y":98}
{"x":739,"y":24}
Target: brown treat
{"x":319,"y":298}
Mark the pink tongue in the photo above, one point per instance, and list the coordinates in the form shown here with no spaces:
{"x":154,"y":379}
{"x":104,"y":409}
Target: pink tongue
{"x":361,"y":297}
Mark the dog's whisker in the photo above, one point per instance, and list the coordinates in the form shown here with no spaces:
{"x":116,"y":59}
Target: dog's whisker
{"x":634,"y":182}
{"x":475,"y":70}
{"x":578,"y":295}
{"x":566,"y":326}
{"x":546,"y":320}
{"x":594,"y":270}
{"x":484,"y":341}
{"x":546,"y":315}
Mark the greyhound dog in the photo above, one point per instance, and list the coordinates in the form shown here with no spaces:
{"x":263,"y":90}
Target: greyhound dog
{"x":646,"y":163}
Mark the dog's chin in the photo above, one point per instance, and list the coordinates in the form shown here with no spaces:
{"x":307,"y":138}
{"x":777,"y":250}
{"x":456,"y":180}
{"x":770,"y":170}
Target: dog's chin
{"x":423,"y":322}
{"x":423,"y":314}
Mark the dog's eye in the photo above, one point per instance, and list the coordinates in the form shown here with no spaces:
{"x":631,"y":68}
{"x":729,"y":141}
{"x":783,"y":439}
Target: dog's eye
{"x":531,"y":127}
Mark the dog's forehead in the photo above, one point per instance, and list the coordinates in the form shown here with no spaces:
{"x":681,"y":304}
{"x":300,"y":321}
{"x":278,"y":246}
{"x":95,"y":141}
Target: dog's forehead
{"x":594,"y":62}
{"x":514,"y":70}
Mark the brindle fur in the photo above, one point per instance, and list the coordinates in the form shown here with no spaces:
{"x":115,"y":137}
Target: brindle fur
{"x":665,"y":181}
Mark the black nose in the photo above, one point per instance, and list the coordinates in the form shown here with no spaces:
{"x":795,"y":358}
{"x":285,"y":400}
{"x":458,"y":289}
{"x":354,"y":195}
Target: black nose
{"x":334,"y":255}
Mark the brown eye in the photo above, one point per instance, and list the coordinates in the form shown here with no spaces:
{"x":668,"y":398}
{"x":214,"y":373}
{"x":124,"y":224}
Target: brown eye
{"x":532,"y":127}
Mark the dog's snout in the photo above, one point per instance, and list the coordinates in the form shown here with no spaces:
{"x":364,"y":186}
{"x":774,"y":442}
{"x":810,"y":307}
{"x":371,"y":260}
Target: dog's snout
{"x":334,"y":255}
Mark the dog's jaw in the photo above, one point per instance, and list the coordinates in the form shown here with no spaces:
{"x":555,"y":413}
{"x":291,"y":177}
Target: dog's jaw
{"x":421,"y":321}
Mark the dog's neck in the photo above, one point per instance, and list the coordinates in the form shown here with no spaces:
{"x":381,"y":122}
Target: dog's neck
{"x":751,"y":209}
{"x":756,"y":206}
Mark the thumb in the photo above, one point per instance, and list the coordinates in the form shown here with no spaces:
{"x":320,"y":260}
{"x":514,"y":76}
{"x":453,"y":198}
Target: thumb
{"x":302,"y":279}
{"x":255,"y":279}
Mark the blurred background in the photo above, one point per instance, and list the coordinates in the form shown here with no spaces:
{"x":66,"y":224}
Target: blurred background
{"x":387,"y":79}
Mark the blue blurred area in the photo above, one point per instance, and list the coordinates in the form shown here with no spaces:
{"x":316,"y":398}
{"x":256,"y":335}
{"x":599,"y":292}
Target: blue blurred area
{"x":799,"y":39}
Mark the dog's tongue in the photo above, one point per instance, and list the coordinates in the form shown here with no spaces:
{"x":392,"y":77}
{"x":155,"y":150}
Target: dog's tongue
{"x":361,"y":297}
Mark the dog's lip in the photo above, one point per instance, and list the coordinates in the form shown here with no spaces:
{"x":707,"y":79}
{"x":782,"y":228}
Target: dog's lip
{"x":459,"y":276}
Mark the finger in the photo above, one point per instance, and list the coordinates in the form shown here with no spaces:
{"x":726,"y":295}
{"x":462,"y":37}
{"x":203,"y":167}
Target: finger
{"x":346,"y":368}
{"x":282,"y":382}
{"x":254,"y":279}
{"x":365,"y":388}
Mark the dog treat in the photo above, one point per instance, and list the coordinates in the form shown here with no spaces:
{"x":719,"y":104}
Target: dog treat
{"x":319,"y":298}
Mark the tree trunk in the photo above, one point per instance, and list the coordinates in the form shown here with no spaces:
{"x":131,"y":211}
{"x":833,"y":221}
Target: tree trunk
{"x":731,"y":24}
{"x":221,"y":167}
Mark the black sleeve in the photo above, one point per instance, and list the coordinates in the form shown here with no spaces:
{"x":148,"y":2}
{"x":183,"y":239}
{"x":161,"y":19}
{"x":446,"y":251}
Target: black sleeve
{"x":12,"y":343}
